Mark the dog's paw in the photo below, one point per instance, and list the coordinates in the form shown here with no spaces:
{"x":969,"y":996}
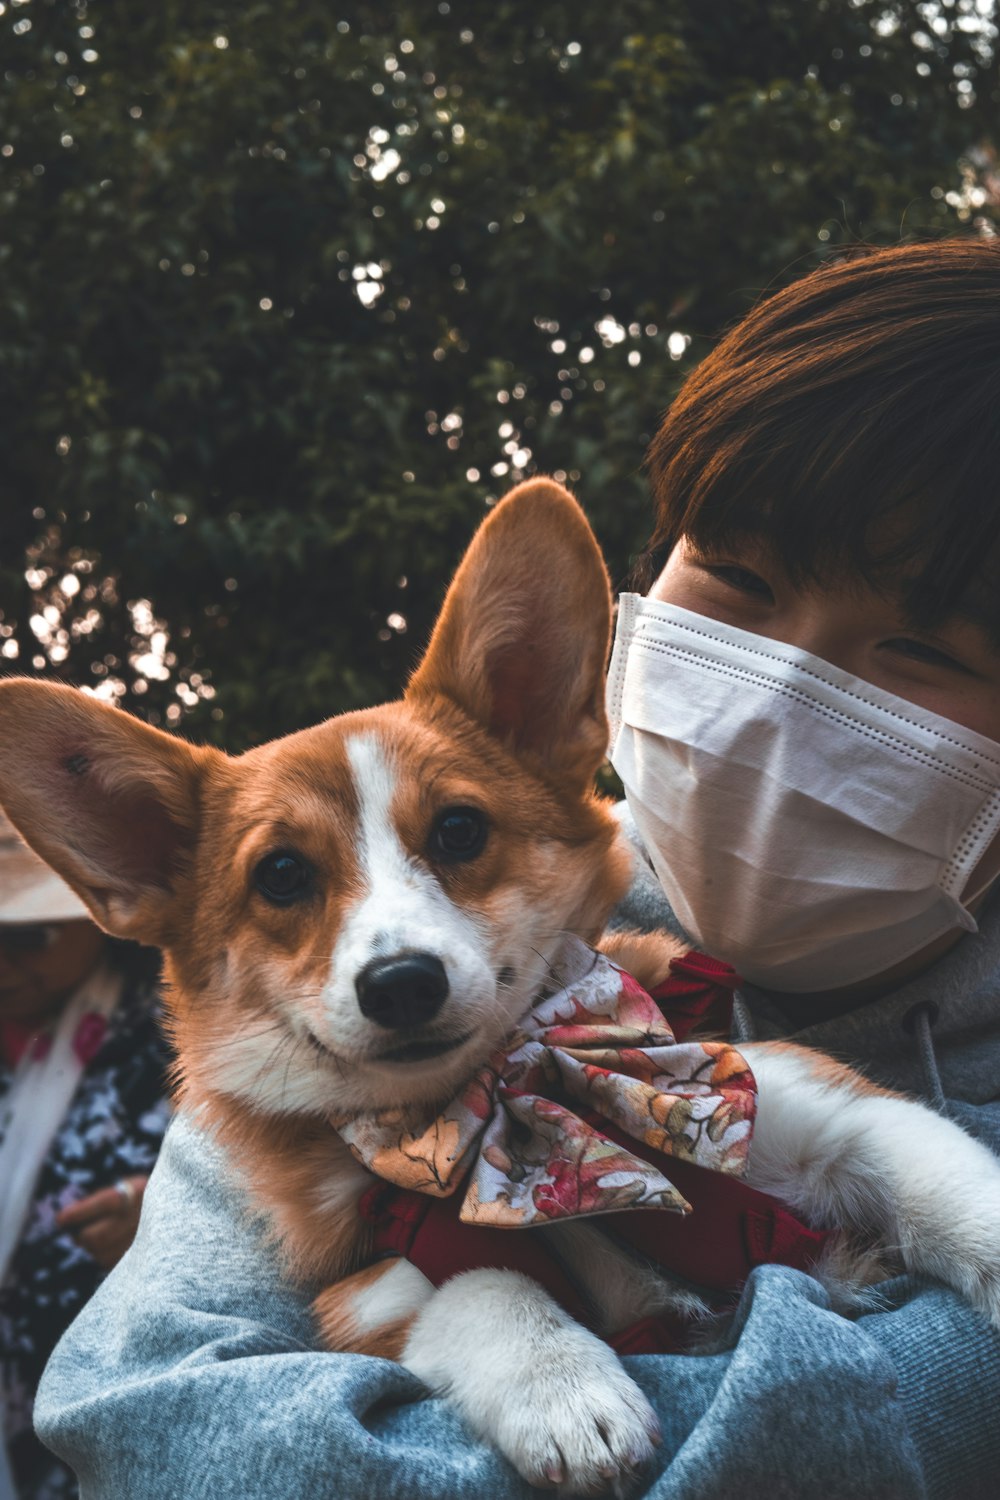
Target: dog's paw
{"x":969,"y":1260}
{"x":576,"y":1422}
{"x":551,"y":1396}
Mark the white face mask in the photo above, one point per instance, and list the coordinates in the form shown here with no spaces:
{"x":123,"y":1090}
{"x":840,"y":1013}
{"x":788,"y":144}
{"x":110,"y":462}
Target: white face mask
{"x":807,"y":827}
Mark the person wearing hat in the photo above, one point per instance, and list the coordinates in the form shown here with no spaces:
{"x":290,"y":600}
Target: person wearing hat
{"x":82,"y":1112}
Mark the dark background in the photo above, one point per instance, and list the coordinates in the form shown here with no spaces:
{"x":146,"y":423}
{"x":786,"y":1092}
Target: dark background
{"x":290,"y":292}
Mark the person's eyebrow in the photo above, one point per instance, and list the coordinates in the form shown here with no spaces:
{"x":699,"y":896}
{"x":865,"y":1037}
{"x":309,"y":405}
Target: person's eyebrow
{"x":977,"y":610}
{"x":979,"y":607}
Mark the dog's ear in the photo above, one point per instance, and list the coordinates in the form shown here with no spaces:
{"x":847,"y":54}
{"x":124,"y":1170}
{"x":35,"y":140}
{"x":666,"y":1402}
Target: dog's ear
{"x":522,"y":640}
{"x":110,"y":803}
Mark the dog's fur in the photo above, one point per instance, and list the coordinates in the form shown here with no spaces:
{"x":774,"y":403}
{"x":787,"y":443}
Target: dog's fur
{"x":505,"y":714}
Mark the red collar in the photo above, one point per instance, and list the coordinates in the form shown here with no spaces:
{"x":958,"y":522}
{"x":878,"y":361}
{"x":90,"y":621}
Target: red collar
{"x":698,"y":988}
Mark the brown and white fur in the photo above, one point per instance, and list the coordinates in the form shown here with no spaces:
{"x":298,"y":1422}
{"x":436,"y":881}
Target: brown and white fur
{"x":174,"y":845}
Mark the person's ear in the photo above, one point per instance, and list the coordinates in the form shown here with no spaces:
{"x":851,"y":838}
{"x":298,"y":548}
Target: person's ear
{"x":109,"y":802}
{"x":522,"y":640}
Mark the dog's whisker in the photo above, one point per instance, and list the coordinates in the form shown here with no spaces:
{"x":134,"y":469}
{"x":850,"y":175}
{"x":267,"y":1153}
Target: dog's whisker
{"x":297,"y":1042}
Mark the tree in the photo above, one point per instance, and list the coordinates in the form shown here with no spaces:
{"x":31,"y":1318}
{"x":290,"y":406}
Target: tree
{"x":290,"y":292}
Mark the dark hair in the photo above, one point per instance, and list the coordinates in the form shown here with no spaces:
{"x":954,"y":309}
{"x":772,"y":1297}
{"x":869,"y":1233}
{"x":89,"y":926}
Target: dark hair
{"x":852,"y":420}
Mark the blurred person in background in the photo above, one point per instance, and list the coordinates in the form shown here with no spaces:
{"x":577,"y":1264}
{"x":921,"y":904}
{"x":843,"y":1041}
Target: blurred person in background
{"x":82,"y":1114}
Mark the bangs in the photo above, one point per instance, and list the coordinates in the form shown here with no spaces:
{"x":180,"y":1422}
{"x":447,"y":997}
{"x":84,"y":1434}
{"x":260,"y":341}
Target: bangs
{"x":852,"y":425}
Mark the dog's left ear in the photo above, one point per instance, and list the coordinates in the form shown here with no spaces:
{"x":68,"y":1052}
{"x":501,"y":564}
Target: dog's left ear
{"x":522,"y":641}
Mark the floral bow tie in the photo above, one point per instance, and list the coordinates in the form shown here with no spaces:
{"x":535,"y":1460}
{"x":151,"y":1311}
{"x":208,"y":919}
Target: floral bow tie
{"x":526,"y":1130}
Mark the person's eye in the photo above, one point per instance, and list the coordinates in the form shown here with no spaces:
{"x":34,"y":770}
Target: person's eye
{"x":741,"y":579}
{"x":920,"y":651}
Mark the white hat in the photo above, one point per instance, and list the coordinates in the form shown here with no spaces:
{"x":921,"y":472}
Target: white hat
{"x":29,"y":891}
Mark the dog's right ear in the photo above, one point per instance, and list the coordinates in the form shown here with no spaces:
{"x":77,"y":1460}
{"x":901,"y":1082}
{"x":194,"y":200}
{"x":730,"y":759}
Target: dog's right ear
{"x":522,"y":640}
{"x":109,"y":802}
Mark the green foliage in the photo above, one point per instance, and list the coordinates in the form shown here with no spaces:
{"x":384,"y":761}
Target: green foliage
{"x":288,"y":293}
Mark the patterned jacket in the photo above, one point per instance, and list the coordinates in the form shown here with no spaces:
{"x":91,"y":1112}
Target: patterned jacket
{"x":113,"y":1129}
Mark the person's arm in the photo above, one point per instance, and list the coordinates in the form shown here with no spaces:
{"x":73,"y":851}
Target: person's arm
{"x":194,"y":1373}
{"x":980,"y":1120}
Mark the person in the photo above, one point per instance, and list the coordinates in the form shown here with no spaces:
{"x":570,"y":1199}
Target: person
{"x":823,"y":582}
{"x":82,"y":1115}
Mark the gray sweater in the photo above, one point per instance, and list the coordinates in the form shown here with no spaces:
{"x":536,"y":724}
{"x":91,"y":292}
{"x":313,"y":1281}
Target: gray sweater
{"x":194,"y":1372}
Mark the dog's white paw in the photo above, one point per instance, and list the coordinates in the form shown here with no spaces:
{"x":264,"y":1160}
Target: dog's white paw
{"x":947,"y":1210}
{"x":551,"y":1396}
{"x":965,"y":1252}
{"x":576,"y":1422}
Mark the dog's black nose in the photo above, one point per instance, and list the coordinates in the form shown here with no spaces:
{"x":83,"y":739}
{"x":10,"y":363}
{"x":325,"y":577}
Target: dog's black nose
{"x":397,"y":992}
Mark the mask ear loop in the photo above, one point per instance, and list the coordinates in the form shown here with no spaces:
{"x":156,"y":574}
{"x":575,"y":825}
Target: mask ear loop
{"x":969,"y":898}
{"x":991,"y":855}
{"x":977,"y":895}
{"x":624,"y":628}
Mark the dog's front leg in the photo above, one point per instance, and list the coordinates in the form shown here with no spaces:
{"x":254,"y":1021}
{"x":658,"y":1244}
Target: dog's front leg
{"x":846,"y":1154}
{"x":373,"y":1310}
{"x":551,"y":1396}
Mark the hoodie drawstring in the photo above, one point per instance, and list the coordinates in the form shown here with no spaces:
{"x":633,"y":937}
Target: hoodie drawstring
{"x":918,"y":1021}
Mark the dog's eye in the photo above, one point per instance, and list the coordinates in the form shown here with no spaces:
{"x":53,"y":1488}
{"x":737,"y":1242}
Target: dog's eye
{"x":282,"y":877}
{"x":459,"y":833}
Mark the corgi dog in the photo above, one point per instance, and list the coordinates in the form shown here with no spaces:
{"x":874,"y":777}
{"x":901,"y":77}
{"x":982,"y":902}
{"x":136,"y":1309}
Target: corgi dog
{"x":354,"y":917}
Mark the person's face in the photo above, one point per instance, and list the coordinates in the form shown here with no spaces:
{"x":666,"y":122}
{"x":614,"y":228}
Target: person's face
{"x":42,"y":963}
{"x":954,"y":671}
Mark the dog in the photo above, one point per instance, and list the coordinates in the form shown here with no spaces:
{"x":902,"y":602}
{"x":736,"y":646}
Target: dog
{"x":355,"y":916}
